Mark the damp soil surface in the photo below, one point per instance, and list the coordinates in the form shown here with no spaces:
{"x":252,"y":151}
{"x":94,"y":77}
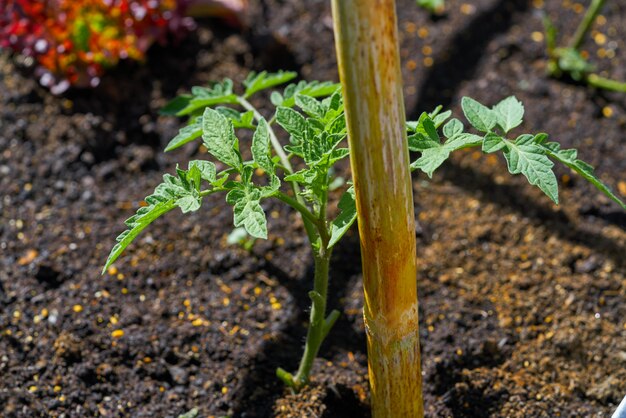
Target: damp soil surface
{"x":522,"y":303}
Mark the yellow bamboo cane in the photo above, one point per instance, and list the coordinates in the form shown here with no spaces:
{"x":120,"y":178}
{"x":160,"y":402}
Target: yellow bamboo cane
{"x":369,"y":67}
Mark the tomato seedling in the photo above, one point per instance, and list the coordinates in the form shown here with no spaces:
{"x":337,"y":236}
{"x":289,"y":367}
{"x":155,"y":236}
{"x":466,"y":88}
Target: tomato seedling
{"x":317,"y":130}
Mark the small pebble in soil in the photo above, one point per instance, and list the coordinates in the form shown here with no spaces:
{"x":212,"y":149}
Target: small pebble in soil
{"x":118,"y":333}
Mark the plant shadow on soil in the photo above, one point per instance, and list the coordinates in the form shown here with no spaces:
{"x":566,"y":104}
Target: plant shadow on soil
{"x":463,"y":53}
{"x":514,"y":199}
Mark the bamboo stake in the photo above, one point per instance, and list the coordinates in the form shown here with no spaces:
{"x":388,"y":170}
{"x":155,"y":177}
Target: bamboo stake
{"x":369,"y":67}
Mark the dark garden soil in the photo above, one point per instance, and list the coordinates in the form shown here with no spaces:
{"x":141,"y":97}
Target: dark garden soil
{"x":522,"y":303}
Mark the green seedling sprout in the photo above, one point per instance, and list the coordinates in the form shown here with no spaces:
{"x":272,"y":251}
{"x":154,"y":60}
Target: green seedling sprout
{"x":570,"y":61}
{"x":435,"y":7}
{"x":239,"y":236}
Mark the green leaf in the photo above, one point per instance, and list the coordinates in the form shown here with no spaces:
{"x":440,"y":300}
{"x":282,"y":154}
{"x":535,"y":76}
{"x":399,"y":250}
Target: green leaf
{"x":338,"y":154}
{"x":305,"y":176}
{"x":311,"y":106}
{"x":261,"y":147}
{"x":433,"y":157}
{"x":427,"y":125}
{"x":196,"y":104}
{"x":311,"y":89}
{"x":411,"y":125}
{"x":525,"y":139}
{"x":430,"y":129}
{"x":264,"y":80}
{"x":138,"y":224}
{"x":176,"y":105}
{"x":222,"y":179}
{"x":419,"y":142}
{"x":319,"y":149}
{"x":453,"y":128}
{"x":206,"y":168}
{"x":189,"y":203}
{"x":435,"y":112}
{"x":240,"y":120}
{"x":219,"y":93}
{"x":492,"y":143}
{"x":569,"y":158}
{"x":246,"y":120}
{"x":426,"y":135}
{"x":166,"y":196}
{"x":312,"y":147}
{"x":480,"y":116}
{"x":186,"y":135}
{"x":345,"y":219}
{"x":463,"y":140}
{"x":509,"y":113}
{"x":292,"y":122}
{"x":337,"y":125}
{"x":433,"y":6}
{"x":440,"y":118}
{"x":248,"y":211}
{"x":435,"y":116}
{"x":194,"y":176}
{"x":530,"y":160}
{"x":333,"y":111}
{"x":272,"y":187}
{"x":219,"y":138}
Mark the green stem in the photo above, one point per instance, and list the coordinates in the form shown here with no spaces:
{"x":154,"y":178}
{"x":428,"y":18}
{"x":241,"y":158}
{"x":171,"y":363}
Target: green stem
{"x":294,"y":203}
{"x":273,"y":139}
{"x":585,"y":25}
{"x":330,"y":320}
{"x":318,"y":325}
{"x":205,"y":193}
{"x":606,"y":83}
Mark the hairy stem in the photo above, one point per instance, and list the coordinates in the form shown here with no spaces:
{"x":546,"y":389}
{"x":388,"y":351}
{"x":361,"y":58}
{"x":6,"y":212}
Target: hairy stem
{"x":205,"y":193}
{"x":278,"y":148}
{"x":585,"y":25}
{"x":317,"y":322}
{"x":302,"y":209}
